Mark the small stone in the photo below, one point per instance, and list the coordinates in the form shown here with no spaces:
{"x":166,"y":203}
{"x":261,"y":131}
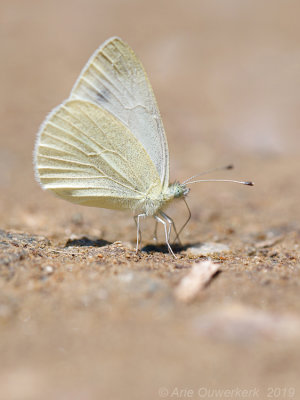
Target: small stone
{"x":251,"y":251}
{"x":269,"y":242}
{"x":207,"y":248}
{"x":196,"y":280}
{"x":48,"y":269}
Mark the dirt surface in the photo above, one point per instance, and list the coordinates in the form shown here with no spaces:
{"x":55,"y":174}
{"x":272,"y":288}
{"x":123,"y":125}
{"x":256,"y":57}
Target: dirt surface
{"x":84,"y":317}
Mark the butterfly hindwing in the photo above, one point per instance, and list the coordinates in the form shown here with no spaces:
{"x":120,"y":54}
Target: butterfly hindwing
{"x":87,"y":156}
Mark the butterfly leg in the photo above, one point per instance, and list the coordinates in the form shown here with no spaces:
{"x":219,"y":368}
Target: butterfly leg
{"x":186,"y":222}
{"x":138,"y":230}
{"x":155,"y":232}
{"x":171,"y":224}
{"x":167,"y":233}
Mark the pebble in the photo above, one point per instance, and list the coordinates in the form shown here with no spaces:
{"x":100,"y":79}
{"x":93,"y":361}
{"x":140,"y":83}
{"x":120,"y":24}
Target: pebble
{"x":48,"y":269}
{"x":207,"y":248}
{"x":196,"y":280}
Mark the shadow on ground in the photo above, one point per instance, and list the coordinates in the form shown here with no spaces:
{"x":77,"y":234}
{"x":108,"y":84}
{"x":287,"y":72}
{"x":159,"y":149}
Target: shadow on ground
{"x":87,"y":242}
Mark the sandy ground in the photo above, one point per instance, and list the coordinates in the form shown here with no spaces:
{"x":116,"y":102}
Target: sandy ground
{"x":81,"y":315}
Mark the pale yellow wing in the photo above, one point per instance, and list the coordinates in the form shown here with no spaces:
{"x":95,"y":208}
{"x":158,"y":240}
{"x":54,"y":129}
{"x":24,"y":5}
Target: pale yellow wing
{"x":115,"y":79}
{"x":87,"y":156}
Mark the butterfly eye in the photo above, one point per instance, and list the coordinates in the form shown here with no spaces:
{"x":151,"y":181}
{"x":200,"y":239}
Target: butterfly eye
{"x":179,"y":190}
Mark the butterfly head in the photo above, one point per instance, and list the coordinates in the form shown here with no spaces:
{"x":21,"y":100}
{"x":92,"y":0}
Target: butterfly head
{"x":179,"y":190}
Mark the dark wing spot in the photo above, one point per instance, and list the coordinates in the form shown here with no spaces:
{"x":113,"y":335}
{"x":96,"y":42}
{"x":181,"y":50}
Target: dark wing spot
{"x":103,"y":96}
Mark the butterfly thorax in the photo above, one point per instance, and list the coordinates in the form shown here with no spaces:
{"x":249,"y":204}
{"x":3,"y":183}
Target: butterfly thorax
{"x":154,"y":202}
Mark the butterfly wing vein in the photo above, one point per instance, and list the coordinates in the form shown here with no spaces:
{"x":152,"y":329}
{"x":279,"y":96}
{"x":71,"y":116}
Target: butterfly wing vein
{"x":115,"y":79}
{"x":106,"y":168}
{"x":105,"y":146}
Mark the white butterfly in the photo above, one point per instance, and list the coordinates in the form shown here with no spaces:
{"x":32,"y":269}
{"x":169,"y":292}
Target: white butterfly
{"x":105,"y":146}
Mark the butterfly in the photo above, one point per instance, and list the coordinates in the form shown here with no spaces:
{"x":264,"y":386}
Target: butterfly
{"x":105,"y":146}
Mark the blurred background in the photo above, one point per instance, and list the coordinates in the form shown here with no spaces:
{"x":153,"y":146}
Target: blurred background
{"x":226,"y":75}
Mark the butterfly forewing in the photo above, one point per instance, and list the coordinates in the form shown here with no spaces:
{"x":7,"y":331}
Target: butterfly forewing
{"x":87,"y":156}
{"x":115,"y":80}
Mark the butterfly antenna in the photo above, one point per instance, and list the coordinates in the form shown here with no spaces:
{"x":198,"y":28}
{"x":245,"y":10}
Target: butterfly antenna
{"x":248,"y":183}
{"x":226,"y":167}
{"x":186,"y":222}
